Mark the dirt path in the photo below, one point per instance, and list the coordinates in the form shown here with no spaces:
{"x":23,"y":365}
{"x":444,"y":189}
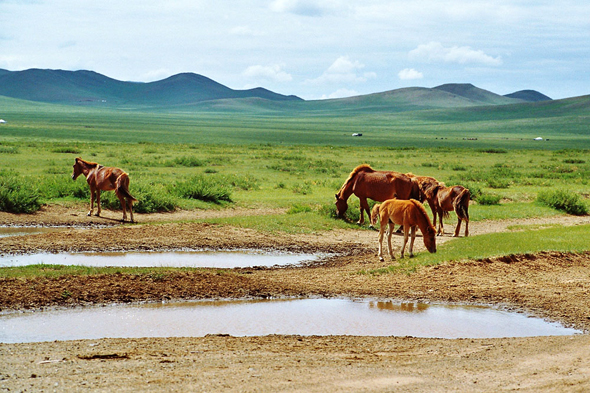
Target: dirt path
{"x":554,"y":286}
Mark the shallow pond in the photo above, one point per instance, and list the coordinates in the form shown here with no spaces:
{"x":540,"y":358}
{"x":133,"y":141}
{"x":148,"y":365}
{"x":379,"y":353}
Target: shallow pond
{"x":213,"y":259}
{"x":264,"y":317}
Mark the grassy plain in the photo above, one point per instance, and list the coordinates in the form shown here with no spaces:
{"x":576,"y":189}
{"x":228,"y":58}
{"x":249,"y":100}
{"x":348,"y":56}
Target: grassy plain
{"x":298,"y":160}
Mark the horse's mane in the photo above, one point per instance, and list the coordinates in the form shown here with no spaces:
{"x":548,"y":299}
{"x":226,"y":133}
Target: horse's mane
{"x":421,"y":208}
{"x":360,"y":168}
{"x":87,"y":163}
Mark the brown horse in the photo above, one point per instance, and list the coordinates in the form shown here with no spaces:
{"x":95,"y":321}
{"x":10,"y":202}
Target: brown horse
{"x":424,"y":185}
{"x":365,"y":182}
{"x":410,"y":214}
{"x":447,"y":199}
{"x":105,"y":178}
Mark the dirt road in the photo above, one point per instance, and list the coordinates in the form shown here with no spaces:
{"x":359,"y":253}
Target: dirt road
{"x":554,"y":286}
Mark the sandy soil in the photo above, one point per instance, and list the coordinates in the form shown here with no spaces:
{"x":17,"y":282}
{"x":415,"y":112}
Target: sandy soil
{"x":554,"y":286}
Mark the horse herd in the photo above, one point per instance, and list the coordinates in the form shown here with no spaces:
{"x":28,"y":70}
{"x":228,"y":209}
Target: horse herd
{"x":401,"y":196}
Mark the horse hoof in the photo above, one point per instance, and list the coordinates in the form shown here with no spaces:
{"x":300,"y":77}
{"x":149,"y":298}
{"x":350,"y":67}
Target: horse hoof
{"x":381,"y":259}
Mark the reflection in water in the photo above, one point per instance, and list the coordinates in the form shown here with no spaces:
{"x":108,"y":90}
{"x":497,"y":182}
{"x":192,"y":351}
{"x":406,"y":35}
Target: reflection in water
{"x":214,"y":259}
{"x":264,"y":317}
{"x":391,"y":306}
{"x":22,"y":231}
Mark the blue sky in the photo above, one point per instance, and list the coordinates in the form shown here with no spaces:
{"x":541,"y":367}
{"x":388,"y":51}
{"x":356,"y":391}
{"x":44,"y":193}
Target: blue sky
{"x":311,"y":48}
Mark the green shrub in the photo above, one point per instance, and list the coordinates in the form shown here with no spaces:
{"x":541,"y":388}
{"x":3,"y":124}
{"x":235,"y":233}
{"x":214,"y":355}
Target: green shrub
{"x":489,"y":199}
{"x":570,"y":202}
{"x":151,"y":198}
{"x":17,"y":195}
{"x":187,"y":161}
{"x":63,"y":186}
{"x":207,"y":189}
{"x":297,"y":208}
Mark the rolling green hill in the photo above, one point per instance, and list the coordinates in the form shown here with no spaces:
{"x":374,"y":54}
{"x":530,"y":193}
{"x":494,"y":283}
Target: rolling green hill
{"x":192,"y":92}
{"x":88,"y":87}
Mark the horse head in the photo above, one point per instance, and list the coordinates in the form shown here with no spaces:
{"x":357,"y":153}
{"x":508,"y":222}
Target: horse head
{"x":341,"y":206}
{"x":77,"y":169}
{"x":430,"y":239}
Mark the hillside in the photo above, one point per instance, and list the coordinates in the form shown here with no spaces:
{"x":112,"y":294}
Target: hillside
{"x":76,"y":87}
{"x":529,"y":95}
{"x":193,"y":92}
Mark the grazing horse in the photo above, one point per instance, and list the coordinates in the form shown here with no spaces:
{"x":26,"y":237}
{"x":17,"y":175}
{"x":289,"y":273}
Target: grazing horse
{"x":447,"y":199}
{"x":105,"y":178}
{"x":365,"y":182}
{"x":410,"y":214}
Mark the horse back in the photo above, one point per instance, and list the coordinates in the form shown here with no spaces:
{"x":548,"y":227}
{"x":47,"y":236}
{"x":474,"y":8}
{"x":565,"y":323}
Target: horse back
{"x":395,"y":210}
{"x":106,"y":177}
{"x":381,"y":185}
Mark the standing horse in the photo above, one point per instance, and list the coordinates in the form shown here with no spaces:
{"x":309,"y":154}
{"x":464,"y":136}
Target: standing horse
{"x":365,"y":182}
{"x":425,"y":184}
{"x":410,"y":214}
{"x":105,"y":178}
{"x":447,"y":199}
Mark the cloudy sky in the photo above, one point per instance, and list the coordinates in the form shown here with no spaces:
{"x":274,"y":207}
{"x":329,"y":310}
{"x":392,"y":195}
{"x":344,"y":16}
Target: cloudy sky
{"x":311,"y":48}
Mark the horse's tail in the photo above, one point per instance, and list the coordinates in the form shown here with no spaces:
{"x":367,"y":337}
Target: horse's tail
{"x":351,"y":176}
{"x":461,"y":204}
{"x":375,"y":214}
{"x":122,"y":187}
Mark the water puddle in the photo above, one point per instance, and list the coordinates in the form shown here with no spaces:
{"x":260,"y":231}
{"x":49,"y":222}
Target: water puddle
{"x":263,"y":317}
{"x":22,"y":231}
{"x":212,"y":259}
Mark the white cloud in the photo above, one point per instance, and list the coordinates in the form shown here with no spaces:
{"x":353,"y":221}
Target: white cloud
{"x":305,"y":7}
{"x":246,"y":31}
{"x":272,"y":73}
{"x":409,"y":74}
{"x":341,"y":93}
{"x":344,"y":70}
{"x":436,"y":52}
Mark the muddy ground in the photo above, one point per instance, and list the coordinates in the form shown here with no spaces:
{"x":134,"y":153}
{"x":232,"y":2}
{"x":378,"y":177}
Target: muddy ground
{"x":554,"y":286}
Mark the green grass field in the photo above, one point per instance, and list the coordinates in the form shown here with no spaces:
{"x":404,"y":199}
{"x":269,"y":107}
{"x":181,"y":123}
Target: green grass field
{"x":298,"y":160}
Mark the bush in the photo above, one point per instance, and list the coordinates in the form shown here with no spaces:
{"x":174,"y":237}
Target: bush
{"x":17,"y":196}
{"x":489,"y":199}
{"x":205,"y":189}
{"x":151,"y":198}
{"x":570,"y":202}
{"x":297,"y":208}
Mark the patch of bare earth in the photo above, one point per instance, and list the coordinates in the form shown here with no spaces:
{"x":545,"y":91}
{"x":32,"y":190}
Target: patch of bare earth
{"x":554,"y":286}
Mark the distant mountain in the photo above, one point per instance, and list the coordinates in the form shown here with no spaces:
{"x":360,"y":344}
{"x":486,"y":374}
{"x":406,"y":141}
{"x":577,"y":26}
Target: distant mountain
{"x":475,"y":94}
{"x":69,"y":87}
{"x":193,"y":92}
{"x":529,"y":96}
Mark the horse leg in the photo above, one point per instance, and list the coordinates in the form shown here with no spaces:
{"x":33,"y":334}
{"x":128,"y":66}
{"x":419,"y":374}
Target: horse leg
{"x":92,"y":196}
{"x":364,"y":206}
{"x":406,"y":235}
{"x":467,"y":227}
{"x":412,"y":241}
{"x":123,"y":205}
{"x":458,"y":227}
{"x":98,"y":203}
{"x":381,"y":233}
{"x":391,"y":228}
{"x":441,"y":230}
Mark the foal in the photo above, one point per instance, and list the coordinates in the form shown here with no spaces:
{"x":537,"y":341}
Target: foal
{"x":408,"y":213}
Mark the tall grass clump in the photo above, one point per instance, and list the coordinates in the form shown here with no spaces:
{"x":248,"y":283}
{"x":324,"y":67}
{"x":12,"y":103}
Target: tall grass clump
{"x":151,"y":198}
{"x":207,"y":189}
{"x":570,"y":202}
{"x":17,"y":195}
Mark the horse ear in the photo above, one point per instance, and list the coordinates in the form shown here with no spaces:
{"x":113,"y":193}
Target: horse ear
{"x":336,"y":195}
